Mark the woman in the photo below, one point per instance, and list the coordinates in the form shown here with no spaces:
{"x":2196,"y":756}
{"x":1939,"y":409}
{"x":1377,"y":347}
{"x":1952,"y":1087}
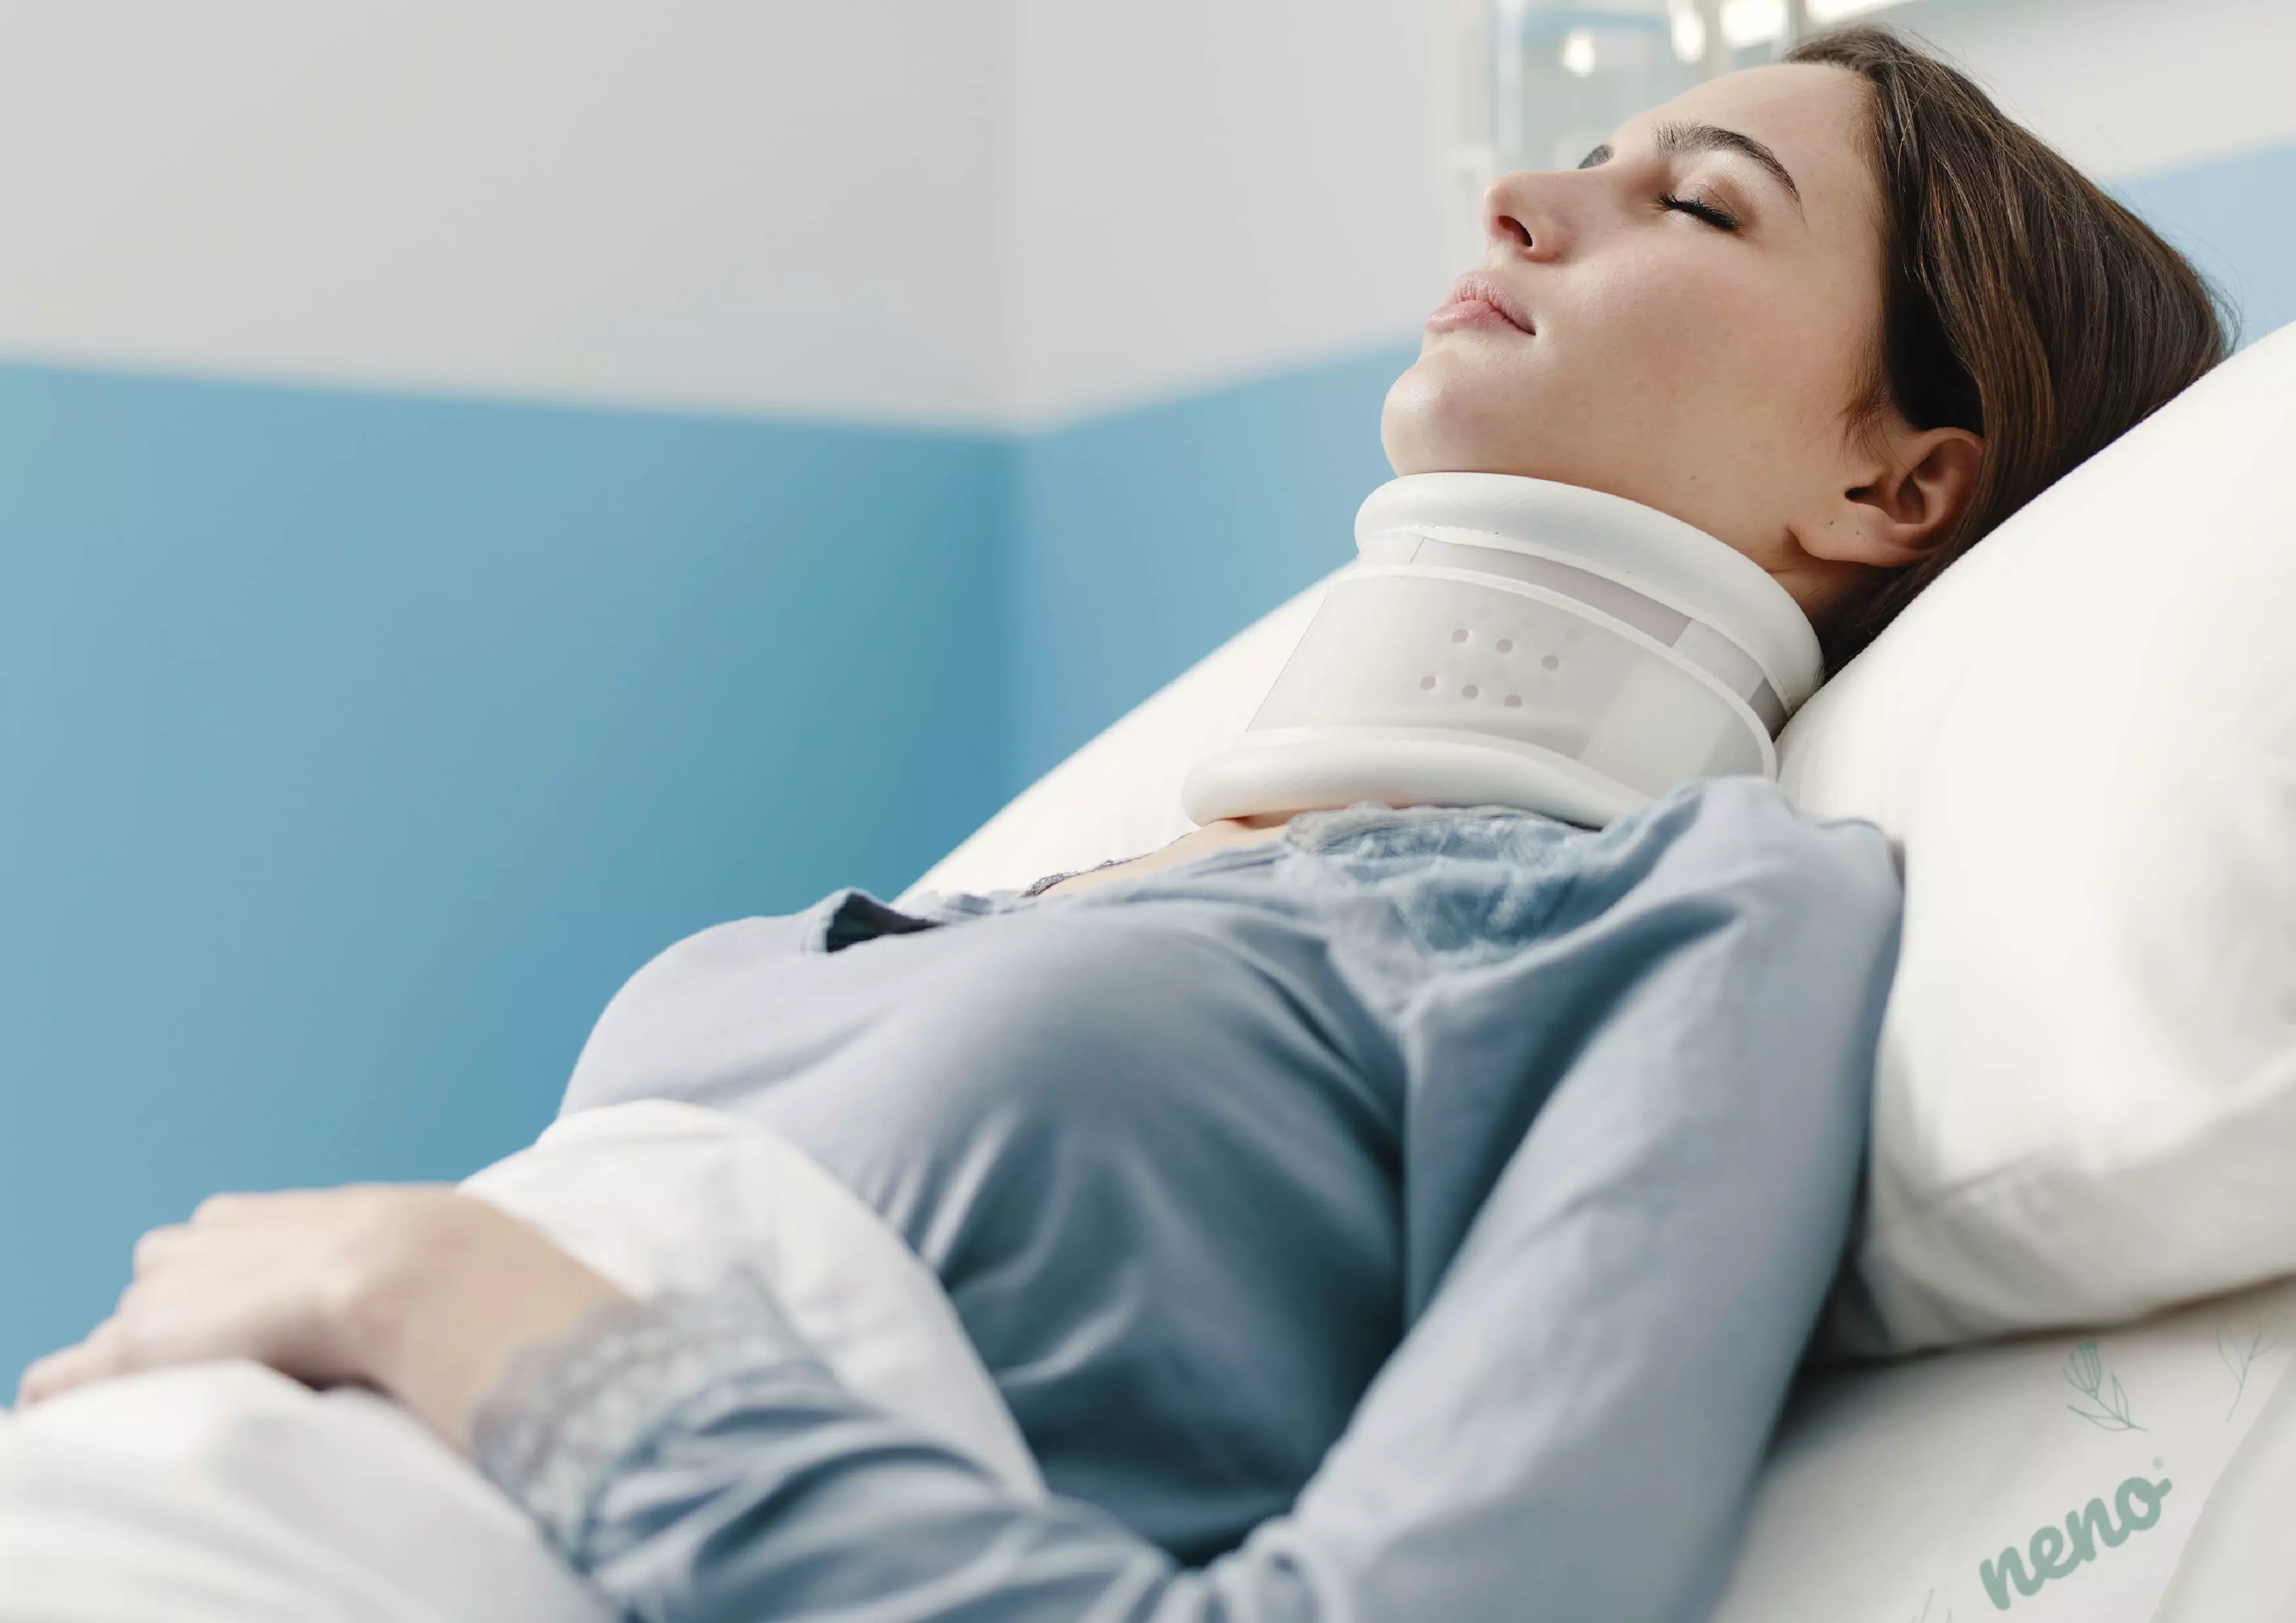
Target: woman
{"x":1391,"y":1214}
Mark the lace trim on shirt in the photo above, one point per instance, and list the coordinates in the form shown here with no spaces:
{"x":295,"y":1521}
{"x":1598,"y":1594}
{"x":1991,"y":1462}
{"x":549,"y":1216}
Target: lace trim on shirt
{"x":951,"y":907}
{"x":1050,"y":880}
{"x":567,"y":1410}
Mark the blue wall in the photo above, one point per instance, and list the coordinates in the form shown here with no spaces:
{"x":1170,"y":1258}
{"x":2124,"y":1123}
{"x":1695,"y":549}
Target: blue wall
{"x":1146,"y":540}
{"x":2236,"y":217}
{"x":353,"y":750}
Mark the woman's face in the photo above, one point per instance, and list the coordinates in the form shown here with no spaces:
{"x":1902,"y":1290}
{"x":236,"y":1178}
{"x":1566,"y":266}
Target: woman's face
{"x":1689,"y":319}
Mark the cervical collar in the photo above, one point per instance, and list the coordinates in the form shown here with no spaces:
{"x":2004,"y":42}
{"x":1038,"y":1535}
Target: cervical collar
{"x":1510,"y":642}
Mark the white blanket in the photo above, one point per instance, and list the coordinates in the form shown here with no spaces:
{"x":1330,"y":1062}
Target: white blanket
{"x":227,"y":1492}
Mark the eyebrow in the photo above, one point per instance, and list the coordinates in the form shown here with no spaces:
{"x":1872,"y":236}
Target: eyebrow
{"x":1677,"y":139}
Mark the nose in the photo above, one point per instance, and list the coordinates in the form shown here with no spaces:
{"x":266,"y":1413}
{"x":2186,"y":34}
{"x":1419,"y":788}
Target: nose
{"x":1522,"y":218}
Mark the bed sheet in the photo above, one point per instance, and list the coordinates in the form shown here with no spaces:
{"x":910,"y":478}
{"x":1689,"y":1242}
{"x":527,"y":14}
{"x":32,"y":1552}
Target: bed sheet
{"x":2054,"y":1478}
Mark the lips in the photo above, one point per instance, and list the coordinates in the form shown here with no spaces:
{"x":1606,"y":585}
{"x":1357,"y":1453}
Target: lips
{"x":1478,"y":300}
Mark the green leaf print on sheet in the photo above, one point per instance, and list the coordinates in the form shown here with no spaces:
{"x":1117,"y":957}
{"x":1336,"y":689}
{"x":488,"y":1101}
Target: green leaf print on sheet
{"x":2086,"y":1374}
{"x":2244,"y":1335}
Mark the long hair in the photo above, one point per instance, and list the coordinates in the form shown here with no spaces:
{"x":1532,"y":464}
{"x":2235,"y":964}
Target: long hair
{"x":2022,"y":303}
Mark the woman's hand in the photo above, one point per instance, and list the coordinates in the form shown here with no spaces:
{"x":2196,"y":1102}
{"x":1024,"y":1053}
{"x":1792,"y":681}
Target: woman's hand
{"x":419,"y":1291}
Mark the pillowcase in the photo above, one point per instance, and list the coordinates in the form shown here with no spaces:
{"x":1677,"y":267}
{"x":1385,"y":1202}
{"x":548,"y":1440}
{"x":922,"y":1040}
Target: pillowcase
{"x":2084,"y":737}
{"x":2084,"y":740}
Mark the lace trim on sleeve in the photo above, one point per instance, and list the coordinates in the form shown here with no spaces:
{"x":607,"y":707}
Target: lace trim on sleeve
{"x":567,"y":1410}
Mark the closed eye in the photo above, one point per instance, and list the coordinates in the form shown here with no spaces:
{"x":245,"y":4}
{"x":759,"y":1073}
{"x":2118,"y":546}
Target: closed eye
{"x":1720,"y":218}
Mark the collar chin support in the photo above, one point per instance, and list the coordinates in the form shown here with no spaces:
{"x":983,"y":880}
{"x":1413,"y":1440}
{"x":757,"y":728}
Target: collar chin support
{"x":1513,"y":642}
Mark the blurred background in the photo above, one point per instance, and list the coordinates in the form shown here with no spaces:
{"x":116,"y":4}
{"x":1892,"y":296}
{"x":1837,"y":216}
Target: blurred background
{"x":487,"y":489}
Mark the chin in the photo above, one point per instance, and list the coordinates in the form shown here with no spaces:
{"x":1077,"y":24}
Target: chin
{"x":1443,"y":416}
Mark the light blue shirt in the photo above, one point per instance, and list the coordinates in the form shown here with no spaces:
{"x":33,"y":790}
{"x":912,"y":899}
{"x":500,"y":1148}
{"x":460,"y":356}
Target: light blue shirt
{"x":1419,"y":1215}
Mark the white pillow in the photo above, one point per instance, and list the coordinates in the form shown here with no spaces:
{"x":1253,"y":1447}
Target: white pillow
{"x":2085,"y":737}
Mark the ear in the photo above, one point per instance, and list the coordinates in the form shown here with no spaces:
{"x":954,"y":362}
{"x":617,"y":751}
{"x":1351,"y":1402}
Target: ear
{"x":1916,"y":488}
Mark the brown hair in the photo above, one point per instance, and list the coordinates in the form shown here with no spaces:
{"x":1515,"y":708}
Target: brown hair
{"x":2022,"y":303}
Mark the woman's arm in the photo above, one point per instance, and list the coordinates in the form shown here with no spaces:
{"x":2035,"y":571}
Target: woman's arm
{"x":696,"y":1461}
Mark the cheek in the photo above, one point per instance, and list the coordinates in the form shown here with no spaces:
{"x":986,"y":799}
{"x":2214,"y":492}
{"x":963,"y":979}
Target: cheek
{"x":1668,"y":321}
{"x":1714,"y":348}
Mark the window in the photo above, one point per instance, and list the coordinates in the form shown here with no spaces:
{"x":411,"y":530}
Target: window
{"x":1543,"y":81}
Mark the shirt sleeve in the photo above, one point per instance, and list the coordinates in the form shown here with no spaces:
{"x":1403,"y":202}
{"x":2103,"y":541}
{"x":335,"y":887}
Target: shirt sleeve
{"x":696,"y":1461}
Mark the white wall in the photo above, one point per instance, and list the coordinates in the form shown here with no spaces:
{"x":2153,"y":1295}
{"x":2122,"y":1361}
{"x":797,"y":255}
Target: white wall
{"x":2129,"y":88}
{"x":1206,"y":188}
{"x":778,"y":205}
{"x":935,"y":210}
{"x":940,"y":211}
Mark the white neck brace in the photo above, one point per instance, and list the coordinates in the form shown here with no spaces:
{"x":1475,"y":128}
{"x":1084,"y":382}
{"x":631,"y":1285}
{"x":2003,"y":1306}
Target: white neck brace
{"x":1511,"y":642}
